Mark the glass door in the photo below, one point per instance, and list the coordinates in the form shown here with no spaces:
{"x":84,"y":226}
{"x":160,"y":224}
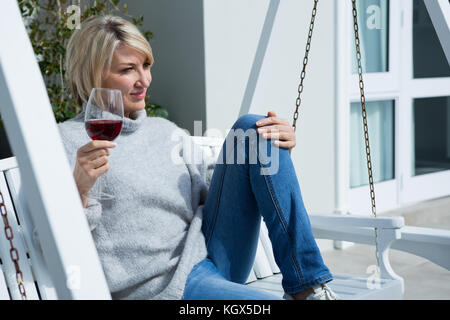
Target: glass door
{"x":425,"y":171}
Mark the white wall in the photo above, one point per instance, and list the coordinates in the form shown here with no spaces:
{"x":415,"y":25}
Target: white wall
{"x":231,"y":31}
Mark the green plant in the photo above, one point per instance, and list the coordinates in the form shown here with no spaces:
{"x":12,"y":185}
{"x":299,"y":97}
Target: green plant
{"x":49,"y":28}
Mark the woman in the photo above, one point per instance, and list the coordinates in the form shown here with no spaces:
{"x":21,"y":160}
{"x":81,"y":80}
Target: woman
{"x":166,"y":235}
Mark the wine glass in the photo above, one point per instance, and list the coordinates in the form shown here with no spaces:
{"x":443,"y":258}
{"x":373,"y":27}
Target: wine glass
{"x":103,"y":121}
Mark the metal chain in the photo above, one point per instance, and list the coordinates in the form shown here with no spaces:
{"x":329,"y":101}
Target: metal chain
{"x":361,"y":87}
{"x":363,"y":106}
{"x":14,"y":254}
{"x":366,"y":129}
{"x":305,"y":62}
{"x":363,"y":102}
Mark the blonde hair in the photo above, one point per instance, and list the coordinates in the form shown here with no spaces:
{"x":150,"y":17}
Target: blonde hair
{"x":91,"y":48}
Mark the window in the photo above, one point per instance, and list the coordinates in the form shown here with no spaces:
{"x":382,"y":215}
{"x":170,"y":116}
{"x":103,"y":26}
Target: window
{"x":428,"y":56}
{"x":373,"y":22}
{"x":380,"y":120}
{"x":431,"y":135}
{"x":407,"y":89}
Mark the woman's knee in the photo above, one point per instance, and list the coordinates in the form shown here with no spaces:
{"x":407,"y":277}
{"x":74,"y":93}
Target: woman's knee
{"x":247,"y":121}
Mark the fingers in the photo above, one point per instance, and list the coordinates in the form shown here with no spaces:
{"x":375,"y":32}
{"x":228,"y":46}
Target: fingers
{"x":97,"y":163}
{"x":278,"y":135}
{"x":276,"y":128}
{"x":93,"y":156}
{"x":90,"y":168}
{"x":91,"y":159}
{"x":282,"y":135}
{"x":97,"y":154}
{"x":101,"y":170}
{"x":94,"y":150}
{"x":272,"y":120}
{"x":92,"y":162}
{"x":95,"y":145}
{"x":285,"y":144}
{"x":281,"y":139}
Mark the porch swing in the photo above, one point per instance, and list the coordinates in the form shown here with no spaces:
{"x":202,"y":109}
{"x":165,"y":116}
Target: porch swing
{"x":382,"y":232}
{"x":27,"y":272}
{"x":389,"y":285}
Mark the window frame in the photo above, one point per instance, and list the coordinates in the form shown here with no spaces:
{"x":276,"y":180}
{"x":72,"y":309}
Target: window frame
{"x":381,"y":82}
{"x":397,"y":84}
{"x":378,"y":86}
{"x":433,"y":185}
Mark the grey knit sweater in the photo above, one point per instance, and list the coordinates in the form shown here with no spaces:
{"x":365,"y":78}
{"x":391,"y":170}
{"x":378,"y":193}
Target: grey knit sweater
{"x":149,"y":237}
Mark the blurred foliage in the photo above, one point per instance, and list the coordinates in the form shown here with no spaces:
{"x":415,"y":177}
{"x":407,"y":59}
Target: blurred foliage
{"x":50,"y":24}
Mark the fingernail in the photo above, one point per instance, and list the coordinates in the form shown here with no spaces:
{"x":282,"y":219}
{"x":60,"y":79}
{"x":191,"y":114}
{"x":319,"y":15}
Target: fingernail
{"x":114,"y":144}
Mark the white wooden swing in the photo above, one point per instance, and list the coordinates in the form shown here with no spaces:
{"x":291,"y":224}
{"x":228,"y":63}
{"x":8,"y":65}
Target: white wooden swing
{"x":46,"y":250}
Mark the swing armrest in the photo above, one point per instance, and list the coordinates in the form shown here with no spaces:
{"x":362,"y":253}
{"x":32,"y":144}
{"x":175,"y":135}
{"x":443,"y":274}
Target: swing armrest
{"x":356,"y":229}
{"x":430,"y":243}
{"x":345,"y":221}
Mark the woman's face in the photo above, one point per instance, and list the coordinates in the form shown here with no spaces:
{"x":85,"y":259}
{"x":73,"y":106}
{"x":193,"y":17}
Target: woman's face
{"x":129,"y":73}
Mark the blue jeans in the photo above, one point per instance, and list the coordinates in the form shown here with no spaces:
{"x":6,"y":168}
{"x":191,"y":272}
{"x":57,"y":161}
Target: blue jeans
{"x":241,"y":192}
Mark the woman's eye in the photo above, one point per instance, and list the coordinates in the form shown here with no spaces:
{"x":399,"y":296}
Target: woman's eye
{"x":146,"y":65}
{"x":127,"y":69}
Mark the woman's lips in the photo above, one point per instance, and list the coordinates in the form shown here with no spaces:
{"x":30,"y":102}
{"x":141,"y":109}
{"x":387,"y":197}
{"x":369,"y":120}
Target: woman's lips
{"x":139,"y":95}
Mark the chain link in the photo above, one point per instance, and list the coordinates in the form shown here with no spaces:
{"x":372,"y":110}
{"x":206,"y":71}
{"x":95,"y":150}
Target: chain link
{"x":305,"y":62}
{"x":363,"y":106}
{"x":361,"y":87}
{"x":366,"y":129}
{"x":14,"y":254}
{"x":363,"y":102}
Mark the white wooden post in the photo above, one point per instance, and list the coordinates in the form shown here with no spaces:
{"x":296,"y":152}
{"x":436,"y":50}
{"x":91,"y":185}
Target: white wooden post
{"x":259,"y":57}
{"x":439,"y":11}
{"x":47,"y":179}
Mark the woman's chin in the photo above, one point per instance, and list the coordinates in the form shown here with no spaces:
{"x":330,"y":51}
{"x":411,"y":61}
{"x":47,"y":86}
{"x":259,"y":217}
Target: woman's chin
{"x":130,"y":108}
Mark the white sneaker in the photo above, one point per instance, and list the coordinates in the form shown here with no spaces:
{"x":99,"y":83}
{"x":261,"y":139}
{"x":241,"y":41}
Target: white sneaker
{"x":321,"y":292}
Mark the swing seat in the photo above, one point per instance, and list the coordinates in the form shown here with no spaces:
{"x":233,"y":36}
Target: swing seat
{"x":385,"y":285}
{"x":433,"y":244}
{"x":430,"y":243}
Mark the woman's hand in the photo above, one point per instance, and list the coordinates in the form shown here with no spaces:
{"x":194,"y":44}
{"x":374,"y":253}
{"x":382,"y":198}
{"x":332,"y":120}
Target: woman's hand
{"x":92,"y":162}
{"x":278,"y":130}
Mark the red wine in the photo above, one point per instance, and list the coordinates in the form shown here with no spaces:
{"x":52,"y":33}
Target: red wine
{"x":103,"y":129}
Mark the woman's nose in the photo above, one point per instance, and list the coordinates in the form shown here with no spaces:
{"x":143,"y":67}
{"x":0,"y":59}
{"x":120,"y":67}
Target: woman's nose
{"x":145,"y":78}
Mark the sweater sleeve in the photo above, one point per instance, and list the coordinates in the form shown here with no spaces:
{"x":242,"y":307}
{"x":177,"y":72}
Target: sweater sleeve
{"x":93,"y":211}
{"x":198,"y":163}
{"x":197,"y":167}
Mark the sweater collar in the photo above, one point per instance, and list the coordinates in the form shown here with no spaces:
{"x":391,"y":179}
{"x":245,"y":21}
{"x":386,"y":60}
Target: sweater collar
{"x":130,"y":124}
{"x":135,"y":120}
